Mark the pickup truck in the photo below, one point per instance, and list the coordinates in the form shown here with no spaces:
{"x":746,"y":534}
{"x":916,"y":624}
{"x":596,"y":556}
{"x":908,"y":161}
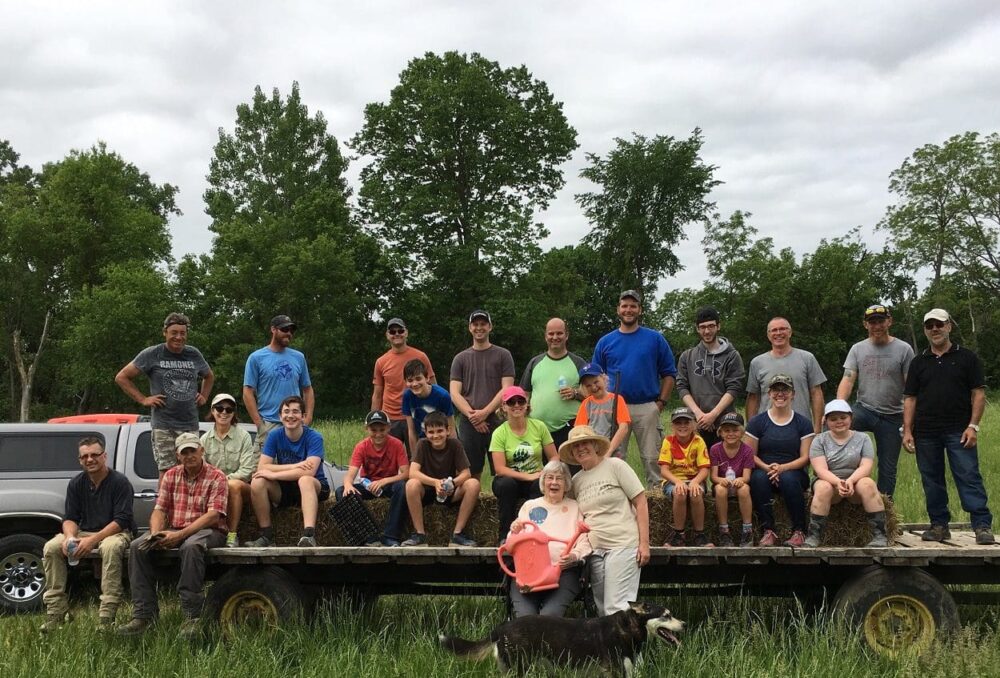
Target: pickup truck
{"x":36,"y":463}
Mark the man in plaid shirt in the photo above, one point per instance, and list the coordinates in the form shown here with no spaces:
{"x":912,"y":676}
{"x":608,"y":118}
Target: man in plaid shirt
{"x":190,"y":515}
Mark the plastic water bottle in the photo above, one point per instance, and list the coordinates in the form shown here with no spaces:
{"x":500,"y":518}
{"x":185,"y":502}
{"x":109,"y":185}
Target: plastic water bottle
{"x":447,"y":486}
{"x":367,"y":484}
{"x":71,"y":549}
{"x":730,"y":475}
{"x":562,"y":382}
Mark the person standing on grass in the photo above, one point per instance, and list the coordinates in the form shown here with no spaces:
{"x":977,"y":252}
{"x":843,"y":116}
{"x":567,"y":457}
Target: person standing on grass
{"x":272,"y":374}
{"x":800,"y":365}
{"x":552,"y":384}
{"x":388,"y":381}
{"x":945,"y":395}
{"x":190,"y":515}
{"x":642,"y":358}
{"x":98,"y":516}
{"x":478,"y":375}
{"x":879,"y":365}
{"x":290,"y":473}
{"x":173,"y":369}
{"x":230,"y":449}
{"x":709,"y":375}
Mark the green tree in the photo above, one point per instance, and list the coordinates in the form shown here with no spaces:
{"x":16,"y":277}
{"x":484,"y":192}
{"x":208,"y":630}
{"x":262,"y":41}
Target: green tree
{"x":285,"y":243}
{"x":462,"y":156}
{"x":650,"y":189}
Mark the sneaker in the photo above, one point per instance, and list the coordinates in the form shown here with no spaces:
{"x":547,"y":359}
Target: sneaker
{"x":259,"y":543}
{"x":190,"y":628}
{"x":136,"y":627}
{"x":389,"y":541}
{"x":700,"y":540}
{"x":676,"y":539}
{"x":984,"y":536}
{"x":746,"y":538}
{"x":461,"y":539}
{"x":232,"y":540}
{"x":769,"y":538}
{"x":53,"y":622}
{"x":374,"y":544}
{"x":307,"y":541}
{"x":936,"y":533}
{"x":416,"y":539}
{"x":725,"y":538}
{"x":797,"y":539}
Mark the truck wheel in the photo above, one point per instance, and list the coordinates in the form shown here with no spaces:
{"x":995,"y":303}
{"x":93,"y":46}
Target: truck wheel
{"x":22,"y":579}
{"x":266,"y":596}
{"x":898,"y":610}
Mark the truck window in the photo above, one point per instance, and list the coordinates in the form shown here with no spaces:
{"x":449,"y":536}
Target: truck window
{"x":50,"y":451}
{"x":144,"y":464}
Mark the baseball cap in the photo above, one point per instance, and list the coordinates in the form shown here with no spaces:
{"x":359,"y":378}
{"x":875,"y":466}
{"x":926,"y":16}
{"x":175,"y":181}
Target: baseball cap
{"x":513,"y":392}
{"x":783,"y":379}
{"x":282,"y":322}
{"x":877,"y":311}
{"x":222,"y":397}
{"x":706,"y":314}
{"x":395,"y":321}
{"x":480,"y":313}
{"x":630,"y":294}
{"x":937,"y":314}
{"x":186,"y":440}
{"x":731,"y":418}
{"x":591,"y":370}
{"x":682,"y":413}
{"x":837,"y":405}
{"x":376,"y":417}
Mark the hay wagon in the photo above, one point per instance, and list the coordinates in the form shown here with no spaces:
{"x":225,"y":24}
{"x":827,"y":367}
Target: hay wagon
{"x":900,"y":596}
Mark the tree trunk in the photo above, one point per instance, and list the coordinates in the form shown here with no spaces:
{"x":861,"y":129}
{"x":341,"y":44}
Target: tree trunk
{"x":26,"y":371}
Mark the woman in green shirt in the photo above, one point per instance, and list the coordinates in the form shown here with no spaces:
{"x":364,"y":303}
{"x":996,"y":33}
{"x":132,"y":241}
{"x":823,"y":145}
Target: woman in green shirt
{"x":230,"y":449}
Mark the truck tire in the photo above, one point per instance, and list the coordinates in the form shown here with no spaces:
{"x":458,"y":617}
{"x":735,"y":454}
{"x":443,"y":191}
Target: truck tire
{"x":897,"y":610}
{"x":268,"y":596}
{"x":22,"y":579}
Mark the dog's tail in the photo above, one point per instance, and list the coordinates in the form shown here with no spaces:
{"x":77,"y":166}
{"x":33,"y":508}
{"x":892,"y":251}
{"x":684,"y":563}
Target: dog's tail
{"x":470,"y":649}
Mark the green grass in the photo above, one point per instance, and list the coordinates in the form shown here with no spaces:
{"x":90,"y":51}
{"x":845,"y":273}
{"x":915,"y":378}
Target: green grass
{"x":727,"y":636}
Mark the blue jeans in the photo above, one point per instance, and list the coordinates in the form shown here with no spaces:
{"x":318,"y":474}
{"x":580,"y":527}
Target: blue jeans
{"x":791,"y":486}
{"x":964,"y":463}
{"x":396,"y":493}
{"x":888,"y":442}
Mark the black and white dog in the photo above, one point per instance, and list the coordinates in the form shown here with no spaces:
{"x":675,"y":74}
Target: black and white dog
{"x":612,"y":642}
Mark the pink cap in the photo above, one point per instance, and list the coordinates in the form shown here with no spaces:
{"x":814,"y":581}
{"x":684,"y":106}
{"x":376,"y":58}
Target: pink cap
{"x":513,"y":392}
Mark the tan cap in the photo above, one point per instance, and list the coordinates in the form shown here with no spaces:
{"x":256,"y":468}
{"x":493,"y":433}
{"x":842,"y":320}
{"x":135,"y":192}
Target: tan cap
{"x":186,"y":440}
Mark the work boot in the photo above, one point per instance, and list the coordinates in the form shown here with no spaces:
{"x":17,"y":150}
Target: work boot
{"x":190,"y":628}
{"x":877,"y":521}
{"x":816,"y":526}
{"x":936,"y":533}
{"x":53,"y":622}
{"x":136,"y":627}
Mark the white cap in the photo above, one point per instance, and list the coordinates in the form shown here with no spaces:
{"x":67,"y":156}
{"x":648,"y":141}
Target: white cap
{"x":937,"y":314}
{"x":835,"y":406}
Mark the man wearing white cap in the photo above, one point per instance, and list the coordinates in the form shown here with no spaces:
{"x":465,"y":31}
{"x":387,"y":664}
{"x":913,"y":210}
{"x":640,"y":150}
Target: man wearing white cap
{"x":945,"y":397}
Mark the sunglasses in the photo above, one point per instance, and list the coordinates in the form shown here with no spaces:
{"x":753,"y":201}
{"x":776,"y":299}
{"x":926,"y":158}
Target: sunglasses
{"x":225,"y":409}
{"x":933,"y":325}
{"x":517,"y":402}
{"x":88,"y":457}
{"x":396,"y":331}
{"x":287,"y":330}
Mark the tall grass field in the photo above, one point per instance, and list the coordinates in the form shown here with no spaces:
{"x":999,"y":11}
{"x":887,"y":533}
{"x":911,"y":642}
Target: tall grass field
{"x":726,"y":636}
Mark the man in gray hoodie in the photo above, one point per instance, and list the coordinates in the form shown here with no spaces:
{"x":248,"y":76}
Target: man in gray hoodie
{"x":709,"y":375}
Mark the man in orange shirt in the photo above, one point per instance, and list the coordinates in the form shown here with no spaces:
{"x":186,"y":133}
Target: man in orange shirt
{"x":388,"y":378}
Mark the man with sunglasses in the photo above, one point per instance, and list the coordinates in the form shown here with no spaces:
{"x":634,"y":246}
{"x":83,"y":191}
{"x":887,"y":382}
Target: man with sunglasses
{"x":173,"y":369}
{"x":389,"y":383}
{"x":879,"y":365}
{"x":945,"y":395}
{"x":272,"y":374}
{"x":98,"y":516}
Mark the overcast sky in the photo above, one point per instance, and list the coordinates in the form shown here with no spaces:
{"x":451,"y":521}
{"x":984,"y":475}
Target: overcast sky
{"x":806,"y":107}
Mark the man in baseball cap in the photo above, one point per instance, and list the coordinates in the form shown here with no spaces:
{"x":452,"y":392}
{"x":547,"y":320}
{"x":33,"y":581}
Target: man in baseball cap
{"x":388,"y":382}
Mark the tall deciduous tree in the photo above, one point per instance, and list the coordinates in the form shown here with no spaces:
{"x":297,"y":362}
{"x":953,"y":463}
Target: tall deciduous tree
{"x":462,"y":156}
{"x":650,"y":189}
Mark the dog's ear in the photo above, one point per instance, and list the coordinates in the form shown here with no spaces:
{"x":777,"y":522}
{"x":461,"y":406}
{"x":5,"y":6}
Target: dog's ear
{"x":637,"y":607}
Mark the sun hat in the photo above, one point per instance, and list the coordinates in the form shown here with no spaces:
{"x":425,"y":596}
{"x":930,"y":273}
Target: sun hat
{"x":581,"y":434}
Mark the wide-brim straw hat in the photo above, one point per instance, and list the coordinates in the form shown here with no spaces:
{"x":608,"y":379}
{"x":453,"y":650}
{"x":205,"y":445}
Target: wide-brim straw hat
{"x":581,"y":434}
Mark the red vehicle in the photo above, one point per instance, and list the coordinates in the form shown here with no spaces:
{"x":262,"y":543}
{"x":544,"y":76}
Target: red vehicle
{"x":100,"y":418}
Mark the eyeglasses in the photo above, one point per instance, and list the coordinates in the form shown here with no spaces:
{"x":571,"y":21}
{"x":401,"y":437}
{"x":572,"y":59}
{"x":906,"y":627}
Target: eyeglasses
{"x":933,"y":325}
{"x":876,"y":310}
{"x":88,"y":457}
{"x":517,"y":402}
{"x":223,"y":409}
{"x":397,"y":330}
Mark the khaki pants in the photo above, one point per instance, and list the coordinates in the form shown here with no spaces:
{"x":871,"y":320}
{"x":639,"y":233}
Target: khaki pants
{"x":112,"y":550}
{"x":648,"y":431}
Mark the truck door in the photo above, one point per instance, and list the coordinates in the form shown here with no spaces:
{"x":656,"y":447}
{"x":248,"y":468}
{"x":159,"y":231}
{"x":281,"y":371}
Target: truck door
{"x":140,"y":467}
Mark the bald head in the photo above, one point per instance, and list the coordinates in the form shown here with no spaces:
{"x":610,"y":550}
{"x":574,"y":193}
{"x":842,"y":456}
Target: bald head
{"x":556,"y":335}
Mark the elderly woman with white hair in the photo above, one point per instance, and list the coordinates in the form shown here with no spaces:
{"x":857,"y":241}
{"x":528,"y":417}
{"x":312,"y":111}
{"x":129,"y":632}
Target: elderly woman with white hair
{"x":556,"y":514}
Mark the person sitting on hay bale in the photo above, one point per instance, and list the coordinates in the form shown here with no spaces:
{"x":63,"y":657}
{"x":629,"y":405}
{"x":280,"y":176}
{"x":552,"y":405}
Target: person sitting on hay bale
{"x":732,"y":462}
{"x":684,"y":466}
{"x":842,"y":460}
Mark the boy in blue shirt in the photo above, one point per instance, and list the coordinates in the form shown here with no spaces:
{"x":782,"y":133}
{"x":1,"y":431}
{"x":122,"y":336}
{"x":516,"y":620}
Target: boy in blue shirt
{"x":420,"y":399}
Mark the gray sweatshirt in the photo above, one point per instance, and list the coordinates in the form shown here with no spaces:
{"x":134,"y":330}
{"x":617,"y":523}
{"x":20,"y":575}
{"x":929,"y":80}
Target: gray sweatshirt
{"x":707,"y":376}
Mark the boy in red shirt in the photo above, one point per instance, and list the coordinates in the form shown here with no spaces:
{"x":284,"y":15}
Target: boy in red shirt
{"x":684,"y":466}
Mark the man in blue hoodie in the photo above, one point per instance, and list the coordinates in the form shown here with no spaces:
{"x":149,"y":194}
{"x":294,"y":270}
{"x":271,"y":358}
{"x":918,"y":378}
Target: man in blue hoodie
{"x":709,"y":375}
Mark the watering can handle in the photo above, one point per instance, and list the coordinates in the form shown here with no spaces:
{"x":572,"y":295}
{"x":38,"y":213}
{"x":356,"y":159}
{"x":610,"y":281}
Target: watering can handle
{"x":502,"y":550}
{"x":581,"y":528}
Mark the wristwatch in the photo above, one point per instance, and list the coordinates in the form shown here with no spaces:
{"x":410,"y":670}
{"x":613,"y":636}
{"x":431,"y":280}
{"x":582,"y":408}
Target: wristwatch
{"x":974,"y":427}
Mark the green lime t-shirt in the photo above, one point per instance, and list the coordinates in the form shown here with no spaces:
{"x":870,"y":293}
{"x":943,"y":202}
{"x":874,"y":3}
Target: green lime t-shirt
{"x":541,"y":378}
{"x":523,"y":453}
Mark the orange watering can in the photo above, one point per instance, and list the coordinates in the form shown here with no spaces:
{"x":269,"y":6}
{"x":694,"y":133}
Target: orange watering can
{"x":530,"y":549}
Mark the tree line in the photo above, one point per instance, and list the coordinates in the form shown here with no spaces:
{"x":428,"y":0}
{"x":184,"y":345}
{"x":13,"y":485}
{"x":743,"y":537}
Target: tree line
{"x":457,"y":164}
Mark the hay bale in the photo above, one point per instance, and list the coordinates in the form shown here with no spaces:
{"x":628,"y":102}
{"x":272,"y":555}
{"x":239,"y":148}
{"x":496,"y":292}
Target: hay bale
{"x":847,"y":525}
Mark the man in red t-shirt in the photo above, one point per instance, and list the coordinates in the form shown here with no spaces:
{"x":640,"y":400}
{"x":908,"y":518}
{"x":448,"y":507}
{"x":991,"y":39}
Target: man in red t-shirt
{"x":381,"y":460}
{"x":389,"y":384}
